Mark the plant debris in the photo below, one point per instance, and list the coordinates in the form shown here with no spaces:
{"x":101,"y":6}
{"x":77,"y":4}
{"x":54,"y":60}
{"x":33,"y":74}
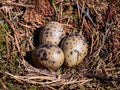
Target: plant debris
{"x":97,"y":20}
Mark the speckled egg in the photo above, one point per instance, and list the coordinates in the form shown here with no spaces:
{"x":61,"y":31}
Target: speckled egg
{"x":52,"y":32}
{"x":48,"y":55}
{"x":75,"y":49}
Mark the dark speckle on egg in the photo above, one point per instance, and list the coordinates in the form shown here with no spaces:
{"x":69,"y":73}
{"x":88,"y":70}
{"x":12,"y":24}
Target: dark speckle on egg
{"x":76,"y":34}
{"x":46,"y":46}
{"x":55,"y":27}
{"x":71,"y":52}
{"x":76,"y":51}
{"x":73,"y":39}
{"x":44,"y":56}
{"x":82,"y":51}
{"x":80,"y":54}
{"x":63,"y":35}
{"x":46,"y":32}
{"x":40,"y":52}
{"x":80,"y":36}
{"x":58,"y":52}
{"x":52,"y":62}
{"x":47,"y":28}
{"x":66,"y":43}
{"x":55,"y":42}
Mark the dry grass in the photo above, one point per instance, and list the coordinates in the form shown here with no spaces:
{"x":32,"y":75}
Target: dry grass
{"x":98,"y":20}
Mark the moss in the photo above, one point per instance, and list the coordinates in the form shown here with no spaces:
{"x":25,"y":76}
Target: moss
{"x":3,"y":33}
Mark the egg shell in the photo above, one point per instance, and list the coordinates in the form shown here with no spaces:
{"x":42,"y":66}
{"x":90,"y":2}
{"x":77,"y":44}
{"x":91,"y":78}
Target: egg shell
{"x":75,"y":49}
{"x":53,"y":32}
{"x":48,"y":55}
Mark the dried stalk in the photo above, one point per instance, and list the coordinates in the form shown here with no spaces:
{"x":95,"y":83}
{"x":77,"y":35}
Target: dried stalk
{"x":17,"y":4}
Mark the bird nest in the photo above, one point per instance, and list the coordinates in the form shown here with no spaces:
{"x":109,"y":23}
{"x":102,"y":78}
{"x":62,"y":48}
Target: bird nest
{"x":98,"y":21}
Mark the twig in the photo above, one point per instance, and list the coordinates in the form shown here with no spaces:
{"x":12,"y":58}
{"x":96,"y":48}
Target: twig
{"x":15,"y":32}
{"x":61,"y":10}
{"x":68,"y":25}
{"x":75,"y":81}
{"x":112,"y":69}
{"x":103,"y":41}
{"x":38,"y":77}
{"x":26,"y":26}
{"x":85,"y":12}
{"x":17,"y":79}
{"x":7,"y":48}
{"x":83,"y":22}
{"x":32,"y":69}
{"x":52,"y":81}
{"x":91,"y":48}
{"x":66,"y":82}
{"x":55,"y":8}
{"x":103,"y":78}
{"x":50,"y":87}
{"x":17,"y":4}
{"x":3,"y":85}
{"x":62,"y":87}
{"x":27,"y":79}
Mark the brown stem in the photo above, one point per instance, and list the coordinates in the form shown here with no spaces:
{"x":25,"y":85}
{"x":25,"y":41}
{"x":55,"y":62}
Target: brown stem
{"x":103,"y":78}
